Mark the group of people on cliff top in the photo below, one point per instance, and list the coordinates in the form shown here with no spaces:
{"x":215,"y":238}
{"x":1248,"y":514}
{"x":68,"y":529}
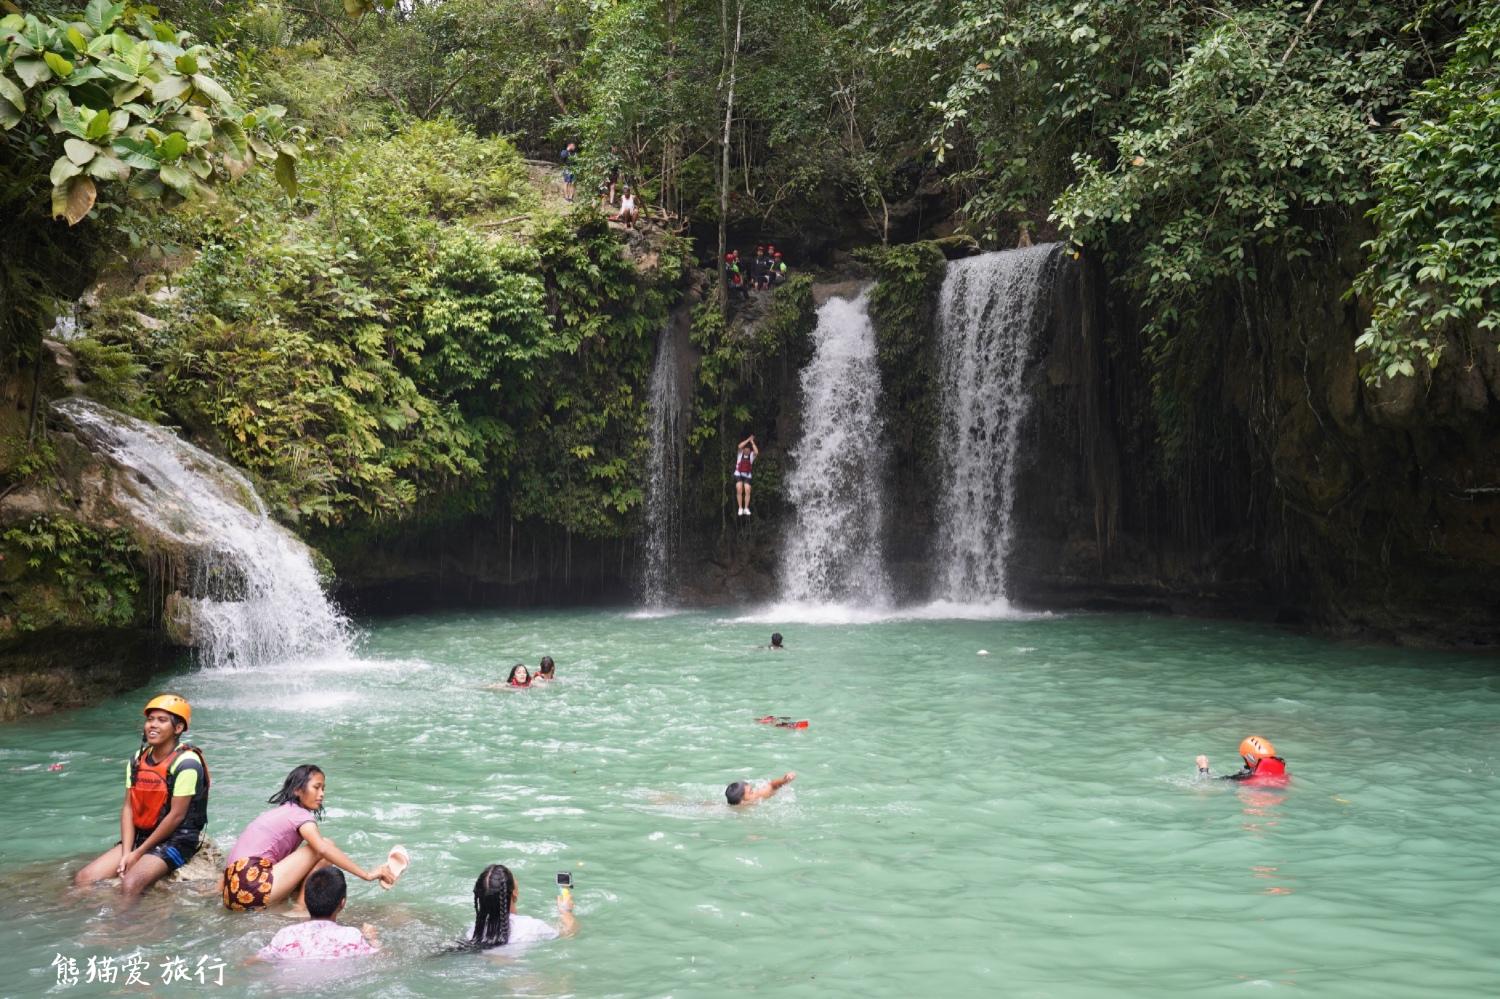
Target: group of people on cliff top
{"x":609,"y":187}
{"x":283,"y":855}
{"x":765,"y":271}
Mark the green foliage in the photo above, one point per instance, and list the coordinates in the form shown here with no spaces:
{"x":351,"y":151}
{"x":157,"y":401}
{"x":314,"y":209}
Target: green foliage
{"x":131,"y":101}
{"x":1435,"y":260}
{"x":94,"y":576}
{"x":385,"y":356}
{"x":902,"y":307}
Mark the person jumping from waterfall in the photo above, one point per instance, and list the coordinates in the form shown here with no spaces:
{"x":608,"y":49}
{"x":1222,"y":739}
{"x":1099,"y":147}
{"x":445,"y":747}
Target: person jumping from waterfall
{"x":1262,"y":765}
{"x":748,"y":452}
{"x":166,"y":803}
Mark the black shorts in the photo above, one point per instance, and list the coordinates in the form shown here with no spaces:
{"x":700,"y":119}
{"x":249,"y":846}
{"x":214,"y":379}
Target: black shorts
{"x":742,"y":476}
{"x":176,"y":850}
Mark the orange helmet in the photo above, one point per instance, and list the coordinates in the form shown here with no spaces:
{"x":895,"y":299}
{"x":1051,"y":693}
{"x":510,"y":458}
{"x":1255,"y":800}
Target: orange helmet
{"x":1256,"y":748}
{"x":172,"y":704}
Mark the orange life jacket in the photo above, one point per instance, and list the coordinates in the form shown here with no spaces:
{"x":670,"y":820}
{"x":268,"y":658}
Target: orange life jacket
{"x":150,"y":789}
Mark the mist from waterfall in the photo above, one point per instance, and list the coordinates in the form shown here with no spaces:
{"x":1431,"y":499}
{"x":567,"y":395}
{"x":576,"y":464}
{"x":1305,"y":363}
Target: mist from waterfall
{"x":832,"y":549}
{"x":253,"y":595}
{"x":664,"y":468}
{"x":989,"y":317}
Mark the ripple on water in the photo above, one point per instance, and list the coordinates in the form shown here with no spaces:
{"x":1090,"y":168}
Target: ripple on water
{"x":1026,"y":822}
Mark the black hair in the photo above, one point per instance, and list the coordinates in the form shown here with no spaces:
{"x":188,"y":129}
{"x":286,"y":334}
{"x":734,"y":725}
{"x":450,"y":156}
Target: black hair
{"x":522,"y":668}
{"x":295,"y":781}
{"x":492,"y":894}
{"x":775,"y":639}
{"x":324,"y":889}
{"x":735,"y":793}
{"x":547,"y":666}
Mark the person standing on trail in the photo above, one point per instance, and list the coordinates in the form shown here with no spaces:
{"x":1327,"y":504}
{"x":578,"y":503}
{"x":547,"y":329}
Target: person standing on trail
{"x":569,"y":153}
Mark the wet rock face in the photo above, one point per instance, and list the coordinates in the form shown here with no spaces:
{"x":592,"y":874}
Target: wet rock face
{"x":1307,"y":496}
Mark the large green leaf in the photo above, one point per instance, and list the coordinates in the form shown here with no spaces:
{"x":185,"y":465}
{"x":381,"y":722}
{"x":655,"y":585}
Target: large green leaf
{"x":62,"y":169}
{"x":187,"y":64}
{"x":107,"y":167}
{"x":172,"y":147}
{"x":177,"y":178}
{"x":9,"y":116}
{"x":101,"y":14}
{"x":139,"y":153}
{"x":286,"y":174}
{"x":98,"y":125}
{"x":80,"y":152}
{"x":211,"y":88}
{"x":232,"y":139}
{"x":172,"y":86}
{"x":33,"y":71}
{"x":12,"y":93}
{"x":58,"y":65}
{"x":75,"y":38}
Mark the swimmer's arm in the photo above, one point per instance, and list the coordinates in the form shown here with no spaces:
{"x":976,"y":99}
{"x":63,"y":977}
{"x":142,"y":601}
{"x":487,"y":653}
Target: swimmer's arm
{"x":777,"y":783}
{"x":127,"y":835}
{"x":329,"y":851}
{"x":567,"y":926}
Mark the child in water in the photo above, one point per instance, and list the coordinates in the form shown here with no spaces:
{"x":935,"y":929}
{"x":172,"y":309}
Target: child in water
{"x":320,"y":937}
{"x":496,"y":922}
{"x":1261,"y":761}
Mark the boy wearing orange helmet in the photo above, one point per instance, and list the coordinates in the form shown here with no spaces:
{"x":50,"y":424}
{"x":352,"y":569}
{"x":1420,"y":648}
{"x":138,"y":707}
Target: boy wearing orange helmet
{"x":166,"y":803}
{"x":1261,"y":761}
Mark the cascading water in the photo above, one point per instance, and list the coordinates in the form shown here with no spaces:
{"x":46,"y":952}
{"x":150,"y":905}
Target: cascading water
{"x":988,"y":317}
{"x":663,"y":475}
{"x":253,"y":596}
{"x":832,"y":548}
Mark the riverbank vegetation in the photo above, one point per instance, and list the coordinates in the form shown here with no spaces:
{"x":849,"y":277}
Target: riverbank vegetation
{"x":329,"y":244}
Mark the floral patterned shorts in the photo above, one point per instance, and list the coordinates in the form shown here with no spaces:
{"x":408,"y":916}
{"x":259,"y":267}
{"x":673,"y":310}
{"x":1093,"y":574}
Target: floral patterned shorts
{"x":247,"y":883}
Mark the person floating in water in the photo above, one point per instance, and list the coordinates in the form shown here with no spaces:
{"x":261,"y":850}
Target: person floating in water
{"x":743,"y":793}
{"x":743,"y":462}
{"x":544,"y":670}
{"x":782,"y":721}
{"x":166,"y":803}
{"x":519,"y":676}
{"x":776,"y":641}
{"x":321,"y":937}
{"x":1261,"y":762}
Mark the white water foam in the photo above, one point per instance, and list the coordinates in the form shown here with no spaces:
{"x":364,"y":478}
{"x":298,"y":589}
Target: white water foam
{"x":791,"y":612}
{"x":988,"y":318}
{"x":832,"y":550}
{"x":663,"y":506}
{"x":253,"y":595}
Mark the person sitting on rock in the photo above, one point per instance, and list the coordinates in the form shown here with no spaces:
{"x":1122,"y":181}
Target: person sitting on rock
{"x":166,"y":803}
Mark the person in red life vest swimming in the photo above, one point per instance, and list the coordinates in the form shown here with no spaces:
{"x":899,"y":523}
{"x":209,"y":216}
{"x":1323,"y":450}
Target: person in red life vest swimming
{"x":743,"y":462}
{"x":1262,"y":765}
{"x":166,"y":803}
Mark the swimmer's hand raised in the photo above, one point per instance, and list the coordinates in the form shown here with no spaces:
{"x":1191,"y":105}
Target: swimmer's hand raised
{"x":1202,"y":764}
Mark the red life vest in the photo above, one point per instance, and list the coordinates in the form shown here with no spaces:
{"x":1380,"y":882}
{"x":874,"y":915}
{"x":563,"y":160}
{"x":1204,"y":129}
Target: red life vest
{"x":743,"y":465}
{"x":150,"y":786}
{"x":1268,"y":770}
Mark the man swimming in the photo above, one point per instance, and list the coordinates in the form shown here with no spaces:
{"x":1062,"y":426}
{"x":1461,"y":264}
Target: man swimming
{"x":1260,"y":759}
{"x":743,"y":793}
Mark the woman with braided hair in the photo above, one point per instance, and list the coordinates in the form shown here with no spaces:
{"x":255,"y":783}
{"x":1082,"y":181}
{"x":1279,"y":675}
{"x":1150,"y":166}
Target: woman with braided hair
{"x":496,"y":922}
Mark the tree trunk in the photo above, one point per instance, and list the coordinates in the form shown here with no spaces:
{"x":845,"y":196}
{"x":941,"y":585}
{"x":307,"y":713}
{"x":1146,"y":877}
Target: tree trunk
{"x":733,"y":57}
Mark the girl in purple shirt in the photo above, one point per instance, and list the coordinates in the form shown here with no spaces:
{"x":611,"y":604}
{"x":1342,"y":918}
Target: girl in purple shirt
{"x":280,"y":847}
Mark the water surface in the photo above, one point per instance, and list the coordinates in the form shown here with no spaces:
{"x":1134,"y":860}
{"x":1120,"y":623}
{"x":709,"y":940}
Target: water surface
{"x":1024,"y":823}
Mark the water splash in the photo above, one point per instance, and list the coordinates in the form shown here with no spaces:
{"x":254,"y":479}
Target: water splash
{"x":832,"y":551}
{"x":989,"y":317}
{"x":663,"y":508}
{"x":252,"y":594}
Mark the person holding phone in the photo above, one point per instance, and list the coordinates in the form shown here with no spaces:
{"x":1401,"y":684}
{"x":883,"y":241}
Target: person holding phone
{"x":498,"y":924}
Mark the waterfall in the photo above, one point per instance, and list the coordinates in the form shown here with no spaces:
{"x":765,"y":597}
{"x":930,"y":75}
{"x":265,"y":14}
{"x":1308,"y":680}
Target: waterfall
{"x":252,"y":595}
{"x":832,"y":550}
{"x":988,"y":318}
{"x":663,"y":475}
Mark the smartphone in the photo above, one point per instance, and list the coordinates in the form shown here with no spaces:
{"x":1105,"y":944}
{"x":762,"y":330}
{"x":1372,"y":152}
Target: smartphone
{"x":564,"y":879}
